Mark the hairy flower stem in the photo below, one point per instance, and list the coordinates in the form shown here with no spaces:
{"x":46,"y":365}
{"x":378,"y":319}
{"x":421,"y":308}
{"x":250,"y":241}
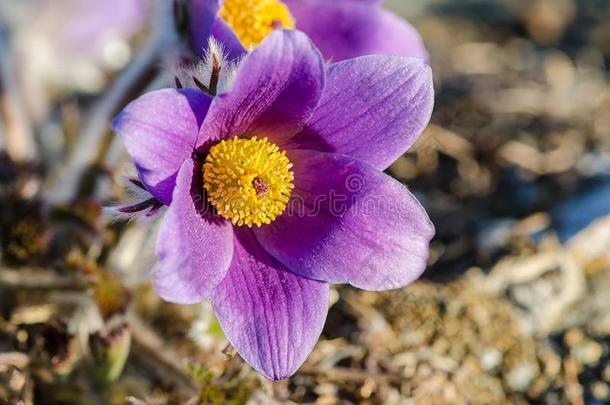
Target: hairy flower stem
{"x":201,"y":86}
{"x":216,"y":67}
{"x":212,"y":88}
{"x":150,"y":203}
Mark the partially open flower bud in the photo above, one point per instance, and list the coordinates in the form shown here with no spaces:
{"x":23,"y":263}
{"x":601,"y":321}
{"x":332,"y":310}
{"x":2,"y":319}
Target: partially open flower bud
{"x":61,"y":347}
{"x":110,"y":349}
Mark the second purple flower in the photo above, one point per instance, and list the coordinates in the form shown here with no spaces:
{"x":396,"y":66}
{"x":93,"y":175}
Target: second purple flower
{"x":341,"y":29}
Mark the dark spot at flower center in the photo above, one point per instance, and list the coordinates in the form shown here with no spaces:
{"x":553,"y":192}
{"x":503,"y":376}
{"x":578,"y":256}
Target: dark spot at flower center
{"x":260,"y":186}
{"x":277,"y":24}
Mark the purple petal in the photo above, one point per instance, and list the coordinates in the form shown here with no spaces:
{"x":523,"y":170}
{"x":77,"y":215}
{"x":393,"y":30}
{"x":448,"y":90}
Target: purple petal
{"x":289,"y":3}
{"x":225,"y":35}
{"x":344,"y":29}
{"x":90,"y":22}
{"x":203,"y":23}
{"x":160,"y":130}
{"x":271,"y":316}
{"x":201,"y":17}
{"x":349,"y":223}
{"x":194,"y":248}
{"x":373,"y":108}
{"x":275,"y":91}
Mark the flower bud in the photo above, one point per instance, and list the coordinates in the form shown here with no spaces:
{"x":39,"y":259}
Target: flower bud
{"x":110,"y":349}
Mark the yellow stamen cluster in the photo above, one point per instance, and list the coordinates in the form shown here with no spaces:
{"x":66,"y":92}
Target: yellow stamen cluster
{"x":253,"y":20}
{"x":248,"y":181}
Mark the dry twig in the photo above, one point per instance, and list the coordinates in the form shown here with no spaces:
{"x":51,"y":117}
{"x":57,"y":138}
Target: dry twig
{"x":17,"y":135}
{"x":31,"y":278}
{"x":128,"y":83}
{"x":350,"y":374}
{"x":161,"y":360}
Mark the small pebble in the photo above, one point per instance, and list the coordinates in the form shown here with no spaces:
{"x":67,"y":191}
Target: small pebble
{"x":573,"y":337}
{"x":17,"y":381}
{"x":326,"y":389}
{"x":606,"y":374}
{"x":600,"y":390}
{"x":520,"y":377}
{"x":588,"y":352}
{"x":490,"y":359}
{"x":552,"y":363}
{"x":424,"y":370}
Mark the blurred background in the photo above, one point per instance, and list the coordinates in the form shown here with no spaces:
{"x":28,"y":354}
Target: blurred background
{"x":514,"y":170}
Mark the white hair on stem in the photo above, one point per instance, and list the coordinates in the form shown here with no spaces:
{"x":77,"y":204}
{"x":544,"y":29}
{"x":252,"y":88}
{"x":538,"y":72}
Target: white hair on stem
{"x":202,"y":70}
{"x":140,"y":204}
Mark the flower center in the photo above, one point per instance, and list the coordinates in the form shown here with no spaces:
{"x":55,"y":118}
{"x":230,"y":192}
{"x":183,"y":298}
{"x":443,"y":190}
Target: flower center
{"x":248,"y":181}
{"x":253,"y":20}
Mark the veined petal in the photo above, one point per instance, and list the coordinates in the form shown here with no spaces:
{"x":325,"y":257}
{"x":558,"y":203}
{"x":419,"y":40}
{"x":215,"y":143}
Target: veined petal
{"x":91,"y":22}
{"x":226,"y":37}
{"x":194,"y":247}
{"x":345,"y":29}
{"x":373,"y":108}
{"x":201,"y":17}
{"x":275,"y":91}
{"x":349,"y":223}
{"x":204,"y":23}
{"x":291,"y":2}
{"x":159,"y":130}
{"x":271,"y":316}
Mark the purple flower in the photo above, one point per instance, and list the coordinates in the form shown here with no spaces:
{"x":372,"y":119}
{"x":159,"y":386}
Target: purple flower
{"x":341,"y":29}
{"x":275,"y":189}
{"x":95,"y":21}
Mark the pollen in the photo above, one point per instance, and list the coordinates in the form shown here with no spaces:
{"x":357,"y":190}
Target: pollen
{"x":253,"y":20}
{"x":248,"y":181}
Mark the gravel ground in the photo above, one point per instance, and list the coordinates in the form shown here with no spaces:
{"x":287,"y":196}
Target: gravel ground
{"x":515,"y":172}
